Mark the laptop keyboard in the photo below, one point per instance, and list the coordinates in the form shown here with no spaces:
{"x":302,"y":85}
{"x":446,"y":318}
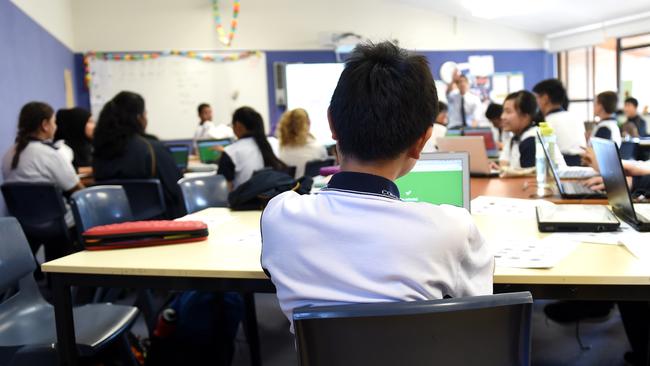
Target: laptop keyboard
{"x":575,"y":188}
{"x":642,"y":211}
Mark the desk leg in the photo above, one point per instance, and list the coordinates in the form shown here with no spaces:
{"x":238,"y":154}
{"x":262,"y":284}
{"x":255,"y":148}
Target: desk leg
{"x":66,"y":342}
{"x":250,"y":328}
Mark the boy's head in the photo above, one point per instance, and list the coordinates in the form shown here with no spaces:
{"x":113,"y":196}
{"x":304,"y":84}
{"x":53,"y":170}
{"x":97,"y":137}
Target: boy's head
{"x":441,"y":117}
{"x":493,"y":114}
{"x":605,"y":104}
{"x":384,"y":104}
{"x":205,"y":112}
{"x":550,"y":94}
{"x":630,"y":107}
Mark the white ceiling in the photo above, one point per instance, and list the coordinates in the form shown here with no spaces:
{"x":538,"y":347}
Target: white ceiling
{"x":538,"y":16}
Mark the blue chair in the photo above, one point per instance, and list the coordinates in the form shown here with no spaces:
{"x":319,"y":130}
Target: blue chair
{"x":145,"y":197}
{"x":480,"y":330}
{"x":203,"y":192}
{"x":40,"y":209}
{"x":26,"y":319}
{"x":99,"y":205}
{"x":312,"y":168}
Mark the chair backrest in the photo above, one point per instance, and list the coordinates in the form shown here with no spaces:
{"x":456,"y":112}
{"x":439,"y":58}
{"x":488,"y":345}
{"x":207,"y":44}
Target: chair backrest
{"x":204,"y":192}
{"x":312,"y":168}
{"x":481,"y":330}
{"x":38,"y":207}
{"x":100,"y":205}
{"x":145,"y":197}
{"x":16,"y":259}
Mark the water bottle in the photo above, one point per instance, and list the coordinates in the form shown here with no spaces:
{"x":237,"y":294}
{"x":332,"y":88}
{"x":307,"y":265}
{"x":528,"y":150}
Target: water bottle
{"x":549,"y":140}
{"x":540,"y":164}
{"x":166,"y":323}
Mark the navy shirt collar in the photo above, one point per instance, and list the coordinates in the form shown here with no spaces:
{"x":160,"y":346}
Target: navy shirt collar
{"x":364,"y":183}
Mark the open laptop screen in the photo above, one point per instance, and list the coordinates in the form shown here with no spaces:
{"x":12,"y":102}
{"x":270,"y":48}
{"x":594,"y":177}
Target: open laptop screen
{"x":180,"y":153}
{"x":487,"y":136}
{"x":208,"y":153}
{"x":439,"y":178}
{"x":611,"y":169}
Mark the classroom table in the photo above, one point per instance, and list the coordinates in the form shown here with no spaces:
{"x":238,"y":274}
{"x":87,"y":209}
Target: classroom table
{"x":521,"y":187}
{"x":230,"y":261}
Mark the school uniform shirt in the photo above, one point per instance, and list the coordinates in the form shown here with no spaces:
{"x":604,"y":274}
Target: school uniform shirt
{"x":298,"y":156}
{"x":472,"y":108}
{"x":240,"y":160}
{"x":355,"y":241}
{"x":209,"y":130}
{"x":439,"y":130}
{"x":569,"y":130}
{"x":608,"y":129}
{"x":41,"y":162}
{"x":640,"y":125}
{"x":520,"y":150}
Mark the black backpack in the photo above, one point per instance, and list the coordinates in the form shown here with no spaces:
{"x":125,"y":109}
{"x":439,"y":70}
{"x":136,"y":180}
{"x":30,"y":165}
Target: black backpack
{"x":265,"y":184}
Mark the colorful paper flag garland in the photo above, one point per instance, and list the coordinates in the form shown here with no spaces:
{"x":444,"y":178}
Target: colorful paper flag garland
{"x":143,"y":56}
{"x":226,"y":40}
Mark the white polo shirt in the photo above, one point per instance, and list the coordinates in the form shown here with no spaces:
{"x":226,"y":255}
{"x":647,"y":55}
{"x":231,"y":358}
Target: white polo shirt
{"x":41,"y":162}
{"x":569,"y":130}
{"x":472,"y":105}
{"x":439,"y":130}
{"x":241,"y":159}
{"x":356,"y":242}
{"x":298,"y":156}
{"x":209,"y":130}
{"x":608,"y":129}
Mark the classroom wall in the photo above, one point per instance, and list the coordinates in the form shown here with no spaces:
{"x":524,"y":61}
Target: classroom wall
{"x":55,"y":16}
{"x":128,"y":25}
{"x":31,"y":68}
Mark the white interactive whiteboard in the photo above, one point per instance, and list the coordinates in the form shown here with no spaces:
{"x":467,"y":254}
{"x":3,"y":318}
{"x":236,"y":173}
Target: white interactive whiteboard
{"x":174,"y":86}
{"x":310,"y":86}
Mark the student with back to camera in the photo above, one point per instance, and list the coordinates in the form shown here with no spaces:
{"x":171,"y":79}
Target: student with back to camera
{"x":364,"y":243}
{"x":75,"y":132}
{"x":297,"y":145}
{"x":604,"y":108}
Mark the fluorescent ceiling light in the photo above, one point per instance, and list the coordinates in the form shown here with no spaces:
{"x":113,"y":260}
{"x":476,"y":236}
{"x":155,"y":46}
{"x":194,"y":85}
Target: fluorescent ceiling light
{"x":491,"y":9}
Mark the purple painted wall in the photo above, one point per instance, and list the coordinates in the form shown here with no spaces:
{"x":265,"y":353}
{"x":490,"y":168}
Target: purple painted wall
{"x":31,"y":68}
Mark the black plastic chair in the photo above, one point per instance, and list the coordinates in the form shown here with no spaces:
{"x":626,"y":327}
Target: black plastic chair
{"x":629,"y":150}
{"x":40,"y":209}
{"x":312,"y":168}
{"x":481,"y":330}
{"x":203,"y":192}
{"x":26,"y":319}
{"x":145,"y":197}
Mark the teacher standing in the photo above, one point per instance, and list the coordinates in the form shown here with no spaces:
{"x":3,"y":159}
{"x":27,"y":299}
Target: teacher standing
{"x":463,"y":105}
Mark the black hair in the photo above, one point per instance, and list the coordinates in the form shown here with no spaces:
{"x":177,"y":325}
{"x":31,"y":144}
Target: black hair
{"x":384,"y":101}
{"x":442,"y":107}
{"x":30,"y":119}
{"x":525,"y":103}
{"x":254,"y":124}
{"x":202,"y":106}
{"x":71,"y":127}
{"x":609,"y":101}
{"x":553,"y":89}
{"x":118,"y":121}
{"x":632,"y":101}
{"x":493,"y":111}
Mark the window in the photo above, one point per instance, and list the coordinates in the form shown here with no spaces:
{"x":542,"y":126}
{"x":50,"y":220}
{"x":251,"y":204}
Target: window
{"x":635,"y":62}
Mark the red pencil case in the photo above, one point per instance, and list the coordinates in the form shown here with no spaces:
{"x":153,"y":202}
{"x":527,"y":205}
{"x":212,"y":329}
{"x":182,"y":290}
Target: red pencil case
{"x":144,"y":233}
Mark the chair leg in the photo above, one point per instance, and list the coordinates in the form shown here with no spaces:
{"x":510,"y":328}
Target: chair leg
{"x":144,"y":301}
{"x":124,"y":351}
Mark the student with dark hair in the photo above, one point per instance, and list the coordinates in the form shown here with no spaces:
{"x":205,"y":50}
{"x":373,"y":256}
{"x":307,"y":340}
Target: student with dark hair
{"x":250,"y":152}
{"x":630,"y":108}
{"x":207,"y":129}
{"x":493,"y":113}
{"x":33,"y":157}
{"x":339,"y":246}
{"x":122,"y":150}
{"x":604,"y":108}
{"x":439,"y":128}
{"x":75,"y":131}
{"x":569,"y":130}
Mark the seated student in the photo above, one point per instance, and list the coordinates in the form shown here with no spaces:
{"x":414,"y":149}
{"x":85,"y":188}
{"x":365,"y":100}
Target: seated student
{"x":250,"y":152}
{"x":356,"y":241}
{"x":569,"y":130}
{"x":630,"y":108}
{"x":207,"y":129}
{"x":297,"y":145}
{"x":75,"y":133}
{"x":439,"y":128}
{"x":493,"y":113}
{"x":122,"y":151}
{"x":33,"y":158}
{"x":604,"y":108}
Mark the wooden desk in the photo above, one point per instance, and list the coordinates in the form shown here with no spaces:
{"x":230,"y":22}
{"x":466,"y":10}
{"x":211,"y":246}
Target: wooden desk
{"x":225,"y":263}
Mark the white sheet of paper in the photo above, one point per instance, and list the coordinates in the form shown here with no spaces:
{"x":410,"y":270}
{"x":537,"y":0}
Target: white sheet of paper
{"x":537,"y":253}
{"x":211,"y":220}
{"x":509,"y":207}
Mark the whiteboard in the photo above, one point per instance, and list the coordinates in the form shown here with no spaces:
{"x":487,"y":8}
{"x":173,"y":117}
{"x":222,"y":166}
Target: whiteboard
{"x":174,"y":86}
{"x":310,"y":86}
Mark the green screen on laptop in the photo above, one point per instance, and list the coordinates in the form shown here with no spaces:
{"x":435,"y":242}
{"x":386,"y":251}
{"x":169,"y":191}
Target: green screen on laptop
{"x":180,"y":154}
{"x":207,"y":151}
{"x":433,"y":181}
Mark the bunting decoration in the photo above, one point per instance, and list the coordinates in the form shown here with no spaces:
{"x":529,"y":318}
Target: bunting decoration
{"x":223,"y":38}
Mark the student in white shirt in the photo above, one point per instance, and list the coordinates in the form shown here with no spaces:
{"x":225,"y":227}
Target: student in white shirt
{"x":493,"y":114}
{"x":297,"y":145}
{"x":207,"y":130}
{"x":439,"y":128}
{"x":250,"y":152}
{"x":569,"y":130}
{"x":356,"y":241}
{"x":604,"y":108}
{"x":464,"y":107}
{"x":33,"y":158}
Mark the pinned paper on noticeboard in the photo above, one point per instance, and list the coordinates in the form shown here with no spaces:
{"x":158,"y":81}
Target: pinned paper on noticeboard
{"x":481,"y":65}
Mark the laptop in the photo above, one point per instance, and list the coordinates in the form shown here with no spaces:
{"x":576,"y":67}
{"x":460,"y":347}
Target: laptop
{"x":438,"y":178}
{"x":488,"y":137}
{"x":575,"y":218}
{"x":479,"y":164}
{"x":570,"y":190}
{"x":207,"y":152}
{"x":181,"y":154}
{"x":618,"y":193}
